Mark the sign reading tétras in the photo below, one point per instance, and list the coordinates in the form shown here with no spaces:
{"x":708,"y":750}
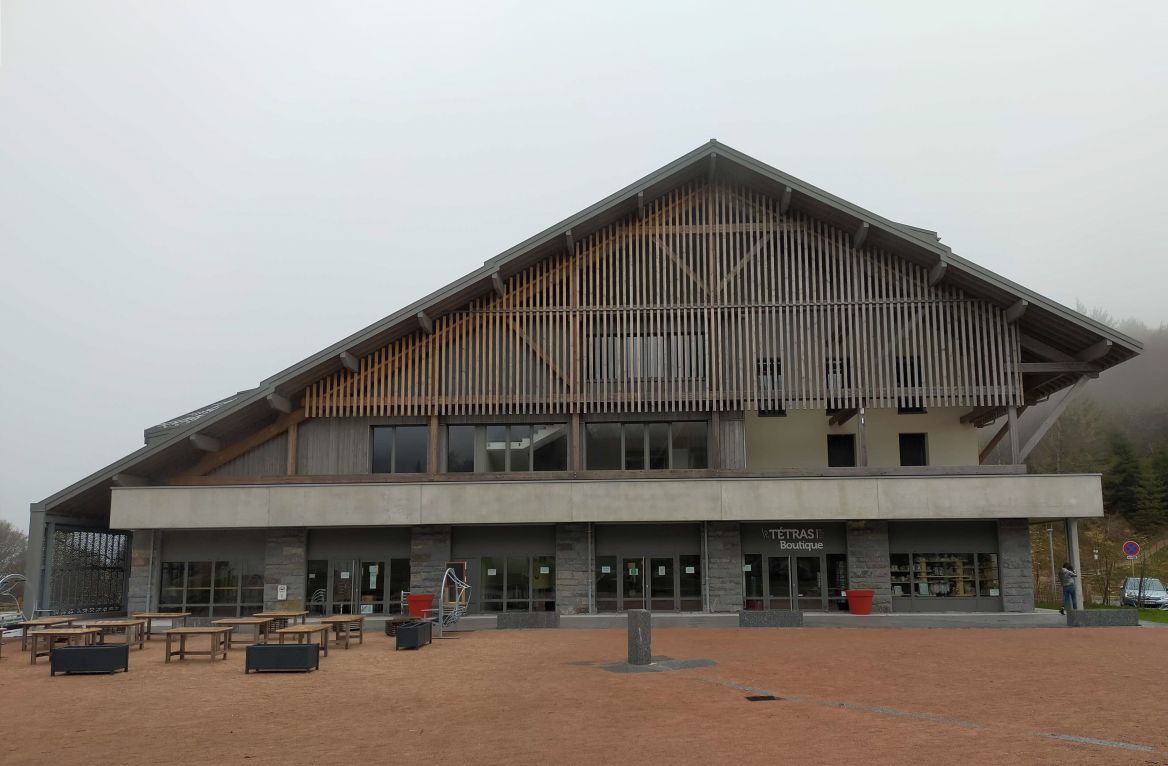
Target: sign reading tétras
{"x":795,"y":538}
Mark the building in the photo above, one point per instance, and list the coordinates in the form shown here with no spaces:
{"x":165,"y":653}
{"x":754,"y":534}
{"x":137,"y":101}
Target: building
{"x":718,"y":388}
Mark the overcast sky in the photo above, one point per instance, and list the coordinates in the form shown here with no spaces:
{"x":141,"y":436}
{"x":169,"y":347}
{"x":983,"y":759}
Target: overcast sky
{"x":194,"y":196}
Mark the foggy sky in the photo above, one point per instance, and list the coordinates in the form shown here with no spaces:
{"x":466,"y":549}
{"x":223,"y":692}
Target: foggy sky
{"x":194,"y":196}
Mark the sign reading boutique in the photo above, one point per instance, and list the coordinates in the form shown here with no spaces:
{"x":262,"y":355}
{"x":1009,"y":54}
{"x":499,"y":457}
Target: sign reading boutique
{"x":793,"y":538}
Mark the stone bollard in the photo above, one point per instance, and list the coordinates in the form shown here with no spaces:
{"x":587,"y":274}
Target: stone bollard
{"x":640,"y":637}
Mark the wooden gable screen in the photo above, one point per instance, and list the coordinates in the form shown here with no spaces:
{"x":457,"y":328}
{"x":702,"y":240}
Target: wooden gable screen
{"x":713,"y":300}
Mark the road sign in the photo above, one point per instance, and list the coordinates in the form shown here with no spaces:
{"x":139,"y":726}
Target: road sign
{"x":1131,"y":549}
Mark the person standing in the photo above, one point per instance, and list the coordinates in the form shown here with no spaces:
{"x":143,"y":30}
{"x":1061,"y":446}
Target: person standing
{"x":1067,"y":578}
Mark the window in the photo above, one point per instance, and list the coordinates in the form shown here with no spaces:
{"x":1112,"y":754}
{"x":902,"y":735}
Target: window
{"x":647,"y":357}
{"x":914,"y":449}
{"x":841,"y":451}
{"x":211,"y":588}
{"x":400,"y":449}
{"x":944,"y":575}
{"x":909,"y":384}
{"x":518,"y":583}
{"x":838,"y":375}
{"x":507,"y":448}
{"x":770,"y":382}
{"x":655,"y":446}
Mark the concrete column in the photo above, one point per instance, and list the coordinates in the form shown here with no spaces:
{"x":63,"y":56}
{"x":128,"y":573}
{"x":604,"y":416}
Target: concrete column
{"x":573,"y":569}
{"x":145,"y":568}
{"x":640,"y":637}
{"x":1015,"y":572}
{"x":285,"y":563}
{"x":723,"y":566}
{"x":33,"y":562}
{"x":868,"y":564}
{"x":429,"y":552}
{"x":1073,"y":555}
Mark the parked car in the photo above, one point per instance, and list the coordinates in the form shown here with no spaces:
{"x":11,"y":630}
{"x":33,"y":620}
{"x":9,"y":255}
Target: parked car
{"x":1155,"y":594}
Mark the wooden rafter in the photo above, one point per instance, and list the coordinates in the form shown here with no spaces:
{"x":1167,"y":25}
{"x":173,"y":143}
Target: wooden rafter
{"x":232,"y":451}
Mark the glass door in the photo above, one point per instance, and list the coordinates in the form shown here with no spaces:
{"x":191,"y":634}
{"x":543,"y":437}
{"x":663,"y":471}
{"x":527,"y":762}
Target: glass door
{"x":343,"y":596}
{"x":779,"y":582}
{"x":633,"y":584}
{"x":689,"y":575}
{"x":661,"y":590}
{"x":371,"y":587}
{"x":316,"y":589}
{"x":809,"y":583}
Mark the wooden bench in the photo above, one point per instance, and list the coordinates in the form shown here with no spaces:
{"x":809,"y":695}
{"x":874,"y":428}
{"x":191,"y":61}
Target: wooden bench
{"x":282,"y":657}
{"x":100,"y":658}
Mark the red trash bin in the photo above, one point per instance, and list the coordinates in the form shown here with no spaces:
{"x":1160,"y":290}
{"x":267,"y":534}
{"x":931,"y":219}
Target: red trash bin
{"x":860,"y":600}
{"x":419,"y":603}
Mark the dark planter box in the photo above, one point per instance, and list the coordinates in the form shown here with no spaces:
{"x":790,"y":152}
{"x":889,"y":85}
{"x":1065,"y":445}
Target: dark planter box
{"x":285,"y":657}
{"x":413,"y":635}
{"x":769,"y":618}
{"x":395,"y":622}
{"x":1103,"y":618}
{"x":527,"y":620}
{"x":103,"y":658}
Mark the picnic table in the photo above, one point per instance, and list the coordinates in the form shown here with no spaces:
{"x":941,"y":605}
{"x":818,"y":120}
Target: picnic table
{"x":220,"y":641}
{"x":39,"y":622}
{"x":344,"y":624}
{"x":304,"y":634}
{"x":281,"y":617}
{"x":259,"y":624}
{"x":150,"y":617}
{"x":86,"y":637}
{"x":135,"y":629}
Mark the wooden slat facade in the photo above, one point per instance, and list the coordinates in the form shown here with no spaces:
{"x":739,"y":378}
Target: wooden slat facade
{"x":712,"y":300}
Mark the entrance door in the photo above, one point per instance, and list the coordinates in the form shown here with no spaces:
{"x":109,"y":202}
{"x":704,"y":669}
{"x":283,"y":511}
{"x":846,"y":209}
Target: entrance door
{"x":809,"y":583}
{"x":342,"y":594}
{"x":790,"y":582}
{"x":660,"y":583}
{"x":632,"y":593}
{"x":662,"y":594}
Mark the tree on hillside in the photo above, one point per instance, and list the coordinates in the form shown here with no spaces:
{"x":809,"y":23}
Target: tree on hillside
{"x":1122,"y":479}
{"x":13,"y":547}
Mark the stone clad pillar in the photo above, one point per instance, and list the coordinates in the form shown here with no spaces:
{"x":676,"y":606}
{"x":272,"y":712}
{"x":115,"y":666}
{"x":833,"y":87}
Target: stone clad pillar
{"x":145,"y":568}
{"x":640,"y":637}
{"x":573,"y":569}
{"x":285,"y":563}
{"x":724,"y":566}
{"x":868,"y":564}
{"x":429,"y":552}
{"x":1015,"y":569}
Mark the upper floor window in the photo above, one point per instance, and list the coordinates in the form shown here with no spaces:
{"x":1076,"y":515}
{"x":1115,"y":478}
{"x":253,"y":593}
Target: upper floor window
{"x":909,"y":383}
{"x":646,"y":446}
{"x":647,"y":357}
{"x":400,"y":449}
{"x":841,"y":451}
{"x":914,"y":449}
{"x":501,"y":448}
{"x":839,"y":375}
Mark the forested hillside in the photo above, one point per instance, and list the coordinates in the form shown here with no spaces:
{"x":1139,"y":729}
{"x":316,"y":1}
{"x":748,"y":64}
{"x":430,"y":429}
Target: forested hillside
{"x":1117,"y":427}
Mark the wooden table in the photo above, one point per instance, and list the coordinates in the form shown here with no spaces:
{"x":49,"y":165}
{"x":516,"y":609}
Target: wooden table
{"x":303,"y":634}
{"x":135,"y":629}
{"x":281,"y":617}
{"x":220,"y":642}
{"x":150,"y":617}
{"x":343,"y":625}
{"x":259,"y":624}
{"x":39,"y":622}
{"x":86,"y":636}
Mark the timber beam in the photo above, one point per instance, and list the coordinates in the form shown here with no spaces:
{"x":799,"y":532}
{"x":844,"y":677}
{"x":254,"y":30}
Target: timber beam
{"x":279,"y":403}
{"x":352,"y":363}
{"x":212,"y":461}
{"x":712,"y":168}
{"x":1050,"y":353}
{"x":641,"y":205}
{"x":839,"y":417}
{"x":977,"y":414}
{"x":1097,"y":351}
{"x":206,"y":443}
{"x":426,"y":323}
{"x":1015,"y":312}
{"x":1056,"y":368}
{"x":861,"y":235}
{"x":1051,"y":417}
{"x":569,"y":241}
{"x":497,"y":283}
{"x":785,"y":201}
{"x":937,"y":273}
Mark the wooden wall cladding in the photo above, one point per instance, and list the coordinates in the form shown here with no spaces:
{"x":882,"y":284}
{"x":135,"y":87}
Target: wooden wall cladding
{"x":712,"y":300}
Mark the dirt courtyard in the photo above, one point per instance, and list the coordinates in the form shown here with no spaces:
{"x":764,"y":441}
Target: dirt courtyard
{"x":844,"y":696}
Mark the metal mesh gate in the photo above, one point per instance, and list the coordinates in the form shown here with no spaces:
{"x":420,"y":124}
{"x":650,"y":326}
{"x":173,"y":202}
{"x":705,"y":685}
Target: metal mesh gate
{"x":88,"y":571}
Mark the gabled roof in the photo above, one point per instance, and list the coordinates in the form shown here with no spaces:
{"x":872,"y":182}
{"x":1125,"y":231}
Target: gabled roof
{"x":1054,"y":325}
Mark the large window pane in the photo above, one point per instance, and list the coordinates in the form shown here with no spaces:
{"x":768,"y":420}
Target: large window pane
{"x":198,"y":582}
{"x":689,"y":445}
{"x":634,"y":446}
{"x":987,"y":575}
{"x":658,"y":445}
{"x":550,"y":447}
{"x":496,"y":449}
{"x":606,"y":581}
{"x":518,"y":577}
{"x":460,"y":449}
{"x":543,"y":584}
{"x":603,"y":446}
{"x":492,"y":578}
{"x":317,"y":586}
{"x":171,"y":583}
{"x":382,"y":449}
{"x":226,"y":583}
{"x":914,"y":449}
{"x":752,"y":580}
{"x":399,"y":580}
{"x":520,"y":441}
{"x":411,"y":443}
